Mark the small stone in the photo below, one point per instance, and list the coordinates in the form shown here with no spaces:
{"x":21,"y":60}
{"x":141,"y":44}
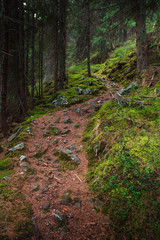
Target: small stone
{"x":46,"y":205}
{"x":77,"y":136}
{"x":66,"y":201}
{"x":76,"y":110}
{"x":22,"y":158}
{"x":21,"y":173}
{"x":71,"y":147}
{"x":6,"y":178}
{"x":65,"y":132}
{"x":68,"y":120}
{"x":86,"y":92}
{"x":46,"y":134}
{"x":90,"y":83}
{"x":24,"y":166}
{"x":34,"y":186}
{"x":55,"y":130}
{"x":17,"y":147}
{"x":28,"y":129}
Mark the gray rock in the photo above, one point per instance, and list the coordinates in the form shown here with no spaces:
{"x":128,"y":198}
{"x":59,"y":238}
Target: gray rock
{"x":22,"y":158}
{"x":127,"y":90}
{"x":17,"y":147}
{"x":128,"y":70}
{"x":68,"y":120}
{"x":65,"y":132}
{"x":55,"y":130}
{"x":79,"y":91}
{"x":90,"y":83}
{"x":82,"y":78}
{"x":87,"y":92}
{"x":72,"y":155}
{"x":60,"y":102}
{"x":46,"y":134}
{"x":13,"y":136}
{"x":28,"y":130}
{"x":71,"y":147}
{"x":24,"y":166}
{"x":46,"y":205}
{"x":6,"y":178}
{"x":76,"y":110}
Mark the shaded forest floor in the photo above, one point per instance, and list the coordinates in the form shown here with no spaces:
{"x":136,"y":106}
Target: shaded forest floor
{"x":51,"y":179}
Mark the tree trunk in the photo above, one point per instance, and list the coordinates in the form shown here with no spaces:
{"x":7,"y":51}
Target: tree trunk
{"x":22,"y":59}
{"x":55,"y":45}
{"x":27,"y":49}
{"x":141,"y":36}
{"x":5,"y":31}
{"x":33,"y":55}
{"x":62,"y":42}
{"x":88,"y":38}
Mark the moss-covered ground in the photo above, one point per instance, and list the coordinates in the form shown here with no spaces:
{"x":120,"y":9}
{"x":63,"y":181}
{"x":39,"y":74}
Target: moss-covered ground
{"x":122,"y":142}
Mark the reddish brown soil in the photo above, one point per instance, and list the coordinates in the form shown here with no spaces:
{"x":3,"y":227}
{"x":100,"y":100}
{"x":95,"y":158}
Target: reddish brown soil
{"x":84,"y":222}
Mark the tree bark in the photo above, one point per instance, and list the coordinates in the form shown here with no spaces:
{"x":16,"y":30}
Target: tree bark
{"x":55,"y":45}
{"x":33,"y":55}
{"x":141,"y":36}
{"x":22,"y":59}
{"x":88,"y":38}
{"x":5,"y":28}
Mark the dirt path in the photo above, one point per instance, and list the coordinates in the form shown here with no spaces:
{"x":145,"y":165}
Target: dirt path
{"x":62,"y":204}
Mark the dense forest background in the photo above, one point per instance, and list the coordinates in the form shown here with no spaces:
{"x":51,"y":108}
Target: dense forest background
{"x":40,"y":41}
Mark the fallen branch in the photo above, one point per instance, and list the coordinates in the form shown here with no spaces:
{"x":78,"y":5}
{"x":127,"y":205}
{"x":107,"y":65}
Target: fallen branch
{"x":78,"y":177}
{"x":153,"y":76}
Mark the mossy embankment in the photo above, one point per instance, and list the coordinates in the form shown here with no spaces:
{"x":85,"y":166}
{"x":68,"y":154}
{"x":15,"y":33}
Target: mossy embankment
{"x":122,"y":142}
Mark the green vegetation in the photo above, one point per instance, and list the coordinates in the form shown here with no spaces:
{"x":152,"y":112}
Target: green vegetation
{"x":123,"y":147}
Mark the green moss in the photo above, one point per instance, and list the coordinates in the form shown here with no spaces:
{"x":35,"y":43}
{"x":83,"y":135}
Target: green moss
{"x":66,"y":161}
{"x":123,"y":148}
{"x":5,"y":164}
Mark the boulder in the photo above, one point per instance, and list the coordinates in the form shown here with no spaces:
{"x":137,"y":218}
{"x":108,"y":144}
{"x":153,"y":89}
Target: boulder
{"x":20,"y":146}
{"x":127,"y":90}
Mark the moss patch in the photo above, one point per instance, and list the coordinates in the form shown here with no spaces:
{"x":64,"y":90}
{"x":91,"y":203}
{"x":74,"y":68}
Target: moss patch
{"x":123,"y":148}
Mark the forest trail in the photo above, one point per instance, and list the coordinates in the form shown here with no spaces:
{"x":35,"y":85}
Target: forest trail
{"x":63,"y":206}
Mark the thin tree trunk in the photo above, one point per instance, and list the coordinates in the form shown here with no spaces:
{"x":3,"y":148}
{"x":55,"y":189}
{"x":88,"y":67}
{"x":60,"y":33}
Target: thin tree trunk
{"x":62,"y":42}
{"x":22,"y":58}
{"x":42,"y":43}
{"x":33,"y":55}
{"x":88,"y":38}
{"x":5,"y":28}
{"x":55,"y":42}
{"x":141,"y":36}
{"x":27,"y":49}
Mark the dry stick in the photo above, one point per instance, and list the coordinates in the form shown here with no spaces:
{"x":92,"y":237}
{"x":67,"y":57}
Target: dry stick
{"x":153,"y":76}
{"x":78,"y":177}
